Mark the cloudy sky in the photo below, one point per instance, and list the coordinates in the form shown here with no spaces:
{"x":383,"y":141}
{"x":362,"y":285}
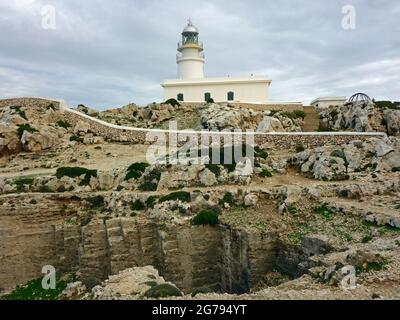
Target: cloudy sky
{"x":108,"y":53}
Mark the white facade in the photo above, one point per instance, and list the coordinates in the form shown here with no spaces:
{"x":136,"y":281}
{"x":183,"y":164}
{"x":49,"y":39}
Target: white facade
{"x":192,"y":86}
{"x":234,"y":89}
{"x":325,"y":102}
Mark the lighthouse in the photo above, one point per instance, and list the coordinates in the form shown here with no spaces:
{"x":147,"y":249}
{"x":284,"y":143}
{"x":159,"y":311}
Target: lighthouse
{"x":190,"y":57}
{"x":191,"y":85}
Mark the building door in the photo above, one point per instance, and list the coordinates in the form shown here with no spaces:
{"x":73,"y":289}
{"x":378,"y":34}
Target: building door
{"x":180,"y":97}
{"x":207,"y":96}
{"x":231,"y":96}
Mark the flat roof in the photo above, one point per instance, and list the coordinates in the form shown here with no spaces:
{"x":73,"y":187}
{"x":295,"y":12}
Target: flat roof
{"x":221,"y":80}
{"x":329,"y":99}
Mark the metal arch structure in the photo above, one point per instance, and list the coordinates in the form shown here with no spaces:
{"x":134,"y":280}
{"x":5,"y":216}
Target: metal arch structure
{"x":360,"y":97}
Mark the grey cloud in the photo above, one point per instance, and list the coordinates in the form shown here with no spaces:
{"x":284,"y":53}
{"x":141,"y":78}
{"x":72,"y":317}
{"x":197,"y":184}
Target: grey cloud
{"x":107,"y":53}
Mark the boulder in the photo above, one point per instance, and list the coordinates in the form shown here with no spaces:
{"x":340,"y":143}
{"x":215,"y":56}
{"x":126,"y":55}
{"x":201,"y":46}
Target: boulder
{"x":207,"y":178}
{"x":38,"y":141}
{"x":82,"y":127}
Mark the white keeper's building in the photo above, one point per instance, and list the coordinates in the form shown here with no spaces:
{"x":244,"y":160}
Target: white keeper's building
{"x":192,"y":86}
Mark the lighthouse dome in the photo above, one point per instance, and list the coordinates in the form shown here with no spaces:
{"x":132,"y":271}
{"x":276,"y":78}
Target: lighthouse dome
{"x":190,"y":28}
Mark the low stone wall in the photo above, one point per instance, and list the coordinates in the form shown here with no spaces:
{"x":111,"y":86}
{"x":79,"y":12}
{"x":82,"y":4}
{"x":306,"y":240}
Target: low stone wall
{"x":274,"y":140}
{"x":257,"y":106}
{"x":30,"y":103}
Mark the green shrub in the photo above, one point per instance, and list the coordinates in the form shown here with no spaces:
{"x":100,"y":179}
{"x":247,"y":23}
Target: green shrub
{"x":138,"y":205}
{"x":150,"y":202}
{"x":173,"y":102}
{"x":210,"y":100}
{"x":227,"y":198}
{"x":96,"y":202}
{"x":74,"y":172}
{"x":22,"y":182}
{"x":20,"y":112}
{"x":300,"y":148}
{"x":299,"y":114}
{"x":260,"y":153}
{"x":151,"y":283}
{"x":76,"y":138}
{"x":136,"y":170}
{"x":25,"y":127}
{"x":214,"y":168}
{"x":206,"y":217}
{"x":179,"y":195}
{"x":387,"y":104}
{"x":63,"y":124}
{"x":163,"y":291}
{"x":265,"y":173}
{"x":150,"y":182}
{"x":33,"y":290}
{"x":90,"y":282}
{"x":203,"y":290}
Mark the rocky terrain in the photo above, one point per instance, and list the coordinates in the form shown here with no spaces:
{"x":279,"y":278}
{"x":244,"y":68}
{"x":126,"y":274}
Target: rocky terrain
{"x":275,"y":223}
{"x":203,"y":116}
{"x":362,"y":117}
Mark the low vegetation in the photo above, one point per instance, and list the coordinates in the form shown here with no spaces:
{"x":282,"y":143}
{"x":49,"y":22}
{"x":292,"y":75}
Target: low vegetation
{"x":206,"y":217}
{"x":33,"y":290}
{"x":25,"y":127}
{"x":74,"y":172}
{"x":174,"y":196}
{"x":136,"y":170}
{"x":162,"y":291}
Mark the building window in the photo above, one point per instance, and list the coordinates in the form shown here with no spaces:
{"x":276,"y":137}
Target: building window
{"x":180,"y":97}
{"x":207,"y":96}
{"x":231,"y":96}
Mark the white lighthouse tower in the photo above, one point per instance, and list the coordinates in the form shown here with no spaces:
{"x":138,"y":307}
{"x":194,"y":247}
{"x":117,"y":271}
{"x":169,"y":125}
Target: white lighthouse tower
{"x":190,"y":58}
{"x":192,"y":86}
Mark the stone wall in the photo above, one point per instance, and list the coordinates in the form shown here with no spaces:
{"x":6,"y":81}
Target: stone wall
{"x":30,"y":103}
{"x":280,"y":140}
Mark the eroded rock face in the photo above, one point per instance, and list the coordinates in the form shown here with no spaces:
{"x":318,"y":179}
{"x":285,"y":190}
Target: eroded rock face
{"x":9,"y":140}
{"x":225,"y":117}
{"x":41,"y":140}
{"x":392,"y":120}
{"x":330,"y":163}
{"x":360,"y":117}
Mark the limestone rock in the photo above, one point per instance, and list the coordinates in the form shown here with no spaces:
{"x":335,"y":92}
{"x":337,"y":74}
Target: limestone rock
{"x":38,"y":141}
{"x":207,"y":178}
{"x":81,"y":127}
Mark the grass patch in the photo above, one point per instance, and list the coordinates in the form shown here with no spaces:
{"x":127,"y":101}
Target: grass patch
{"x":74,"y":172}
{"x":372,"y":266}
{"x":324,"y":211}
{"x":206,"y":217}
{"x":174,"y":196}
{"x":33,"y":290}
